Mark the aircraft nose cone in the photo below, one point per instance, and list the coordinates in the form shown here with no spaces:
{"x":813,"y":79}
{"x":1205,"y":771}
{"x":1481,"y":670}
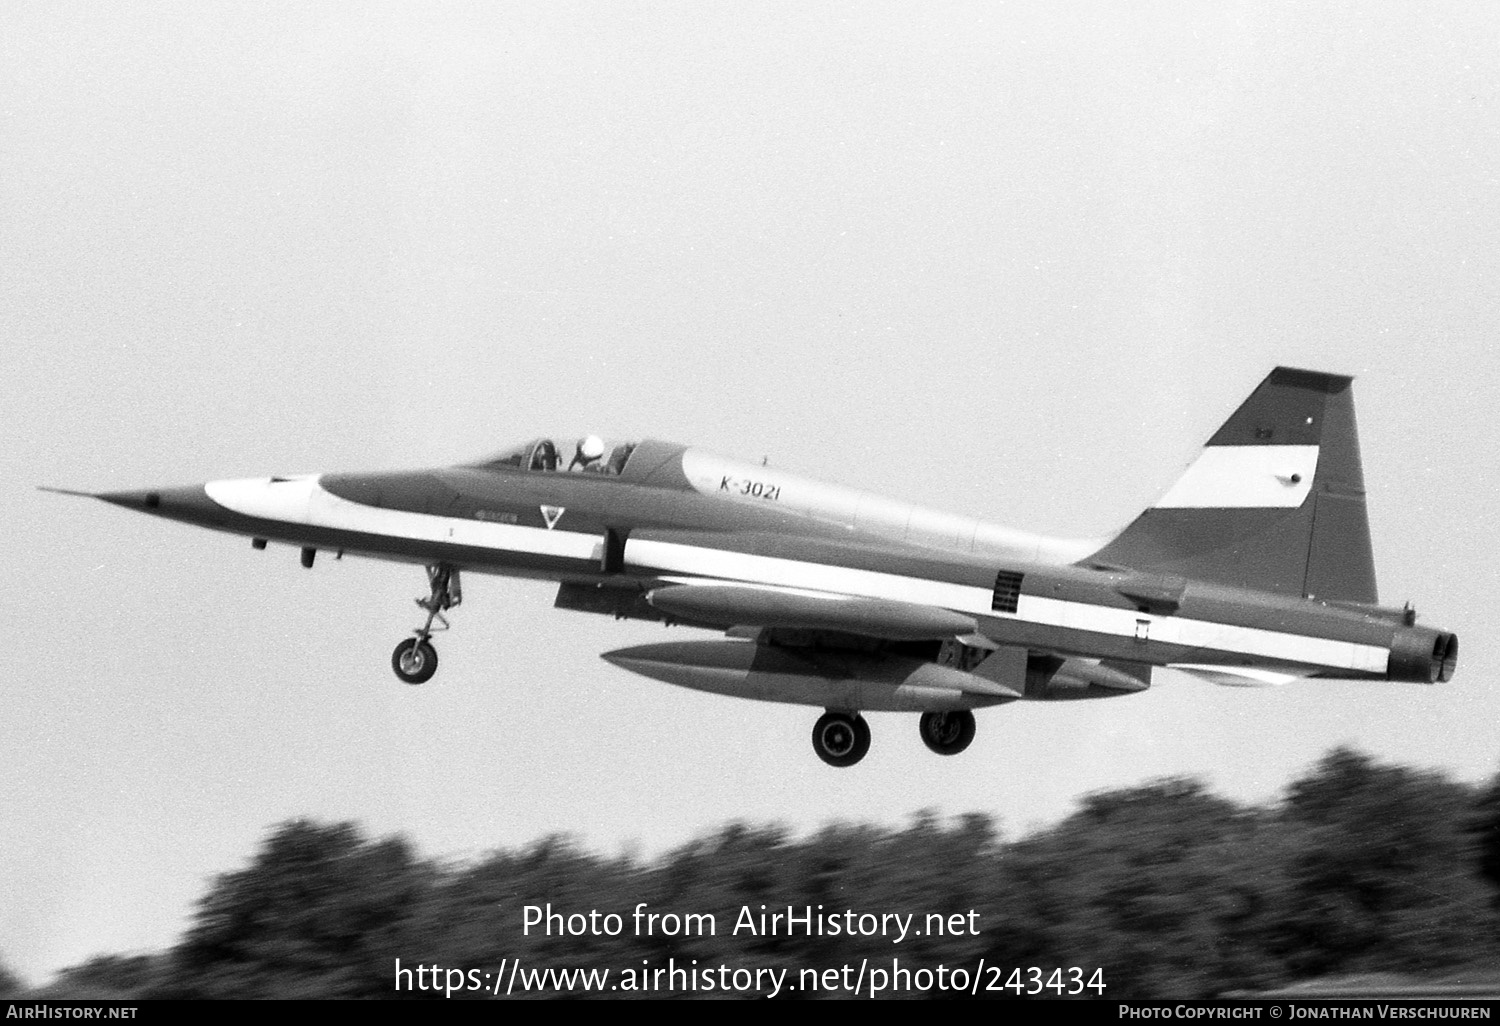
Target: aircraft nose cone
{"x":190,"y":503}
{"x":141,"y":500}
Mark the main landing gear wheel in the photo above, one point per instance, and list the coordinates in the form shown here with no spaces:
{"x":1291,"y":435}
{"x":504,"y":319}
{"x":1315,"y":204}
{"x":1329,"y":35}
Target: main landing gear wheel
{"x":947,"y":733}
{"x":841,"y":739}
{"x":415,"y":661}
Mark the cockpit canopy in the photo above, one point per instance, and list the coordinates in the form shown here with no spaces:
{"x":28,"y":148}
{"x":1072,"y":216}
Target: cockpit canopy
{"x":544,"y":456}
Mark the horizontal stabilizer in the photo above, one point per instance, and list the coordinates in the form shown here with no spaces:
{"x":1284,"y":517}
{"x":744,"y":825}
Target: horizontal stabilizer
{"x":734,"y":605}
{"x":1236,"y":676}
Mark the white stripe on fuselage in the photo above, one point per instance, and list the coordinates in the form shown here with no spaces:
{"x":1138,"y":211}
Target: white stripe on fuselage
{"x":718,"y":565}
{"x":1245,"y":477}
{"x":305,"y":501}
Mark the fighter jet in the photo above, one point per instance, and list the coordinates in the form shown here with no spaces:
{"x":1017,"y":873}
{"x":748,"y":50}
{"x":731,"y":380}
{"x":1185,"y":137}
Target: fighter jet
{"x":1255,"y":567}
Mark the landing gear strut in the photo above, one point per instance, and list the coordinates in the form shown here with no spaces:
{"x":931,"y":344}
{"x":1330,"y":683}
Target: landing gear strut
{"x":415,"y":660}
{"x":841,"y":739}
{"x":947,"y":733}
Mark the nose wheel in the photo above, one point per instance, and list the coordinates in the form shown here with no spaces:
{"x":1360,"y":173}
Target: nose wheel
{"x":415,"y":660}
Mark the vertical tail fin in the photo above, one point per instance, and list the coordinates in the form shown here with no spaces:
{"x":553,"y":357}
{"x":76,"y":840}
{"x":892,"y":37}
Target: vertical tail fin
{"x":1275,"y":502}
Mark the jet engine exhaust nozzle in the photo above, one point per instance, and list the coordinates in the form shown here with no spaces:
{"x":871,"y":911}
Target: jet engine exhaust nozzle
{"x":1423,"y":655}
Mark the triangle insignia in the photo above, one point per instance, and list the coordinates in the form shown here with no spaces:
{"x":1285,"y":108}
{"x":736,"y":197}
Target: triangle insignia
{"x":551,"y":514}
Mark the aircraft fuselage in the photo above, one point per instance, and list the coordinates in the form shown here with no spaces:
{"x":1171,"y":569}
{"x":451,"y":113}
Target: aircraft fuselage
{"x":495,"y":522}
{"x":1255,"y":567}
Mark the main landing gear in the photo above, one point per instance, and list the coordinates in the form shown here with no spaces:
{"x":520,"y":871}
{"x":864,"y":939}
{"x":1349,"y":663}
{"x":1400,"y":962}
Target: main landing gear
{"x":947,"y":733}
{"x":415,"y":660}
{"x":843,"y":738}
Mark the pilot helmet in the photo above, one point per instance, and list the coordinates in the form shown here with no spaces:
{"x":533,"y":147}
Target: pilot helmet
{"x":591,"y":448}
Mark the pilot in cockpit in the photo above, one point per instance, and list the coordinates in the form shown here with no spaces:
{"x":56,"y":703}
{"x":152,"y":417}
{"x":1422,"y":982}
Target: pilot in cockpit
{"x":590,"y":451}
{"x":543,"y":456}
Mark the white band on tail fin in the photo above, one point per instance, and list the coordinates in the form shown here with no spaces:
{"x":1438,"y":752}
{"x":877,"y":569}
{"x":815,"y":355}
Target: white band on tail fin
{"x":1245,"y":476}
{"x":1276,"y":501}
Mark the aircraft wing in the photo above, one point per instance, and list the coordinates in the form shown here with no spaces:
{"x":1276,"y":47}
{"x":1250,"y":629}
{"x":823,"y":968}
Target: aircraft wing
{"x":988,"y":673}
{"x":802,"y":590}
{"x":788,"y":583}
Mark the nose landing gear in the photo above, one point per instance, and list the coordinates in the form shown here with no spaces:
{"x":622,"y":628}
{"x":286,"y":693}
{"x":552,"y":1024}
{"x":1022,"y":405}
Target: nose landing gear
{"x":415,"y":660}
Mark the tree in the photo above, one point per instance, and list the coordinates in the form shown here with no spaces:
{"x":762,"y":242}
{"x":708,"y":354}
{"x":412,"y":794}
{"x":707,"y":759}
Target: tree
{"x":1164,"y":885}
{"x":1383,"y":871}
{"x":474,"y":917}
{"x":1172,"y":890}
{"x":1485,"y":826}
{"x":318,"y":913}
{"x":10,"y":983}
{"x":107,"y":978}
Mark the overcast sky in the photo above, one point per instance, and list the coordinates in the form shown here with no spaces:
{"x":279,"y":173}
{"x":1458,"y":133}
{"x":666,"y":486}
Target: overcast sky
{"x":1013,"y":261}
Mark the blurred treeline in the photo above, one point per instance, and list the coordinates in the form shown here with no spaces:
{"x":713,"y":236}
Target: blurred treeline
{"x":1173,"y":891}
